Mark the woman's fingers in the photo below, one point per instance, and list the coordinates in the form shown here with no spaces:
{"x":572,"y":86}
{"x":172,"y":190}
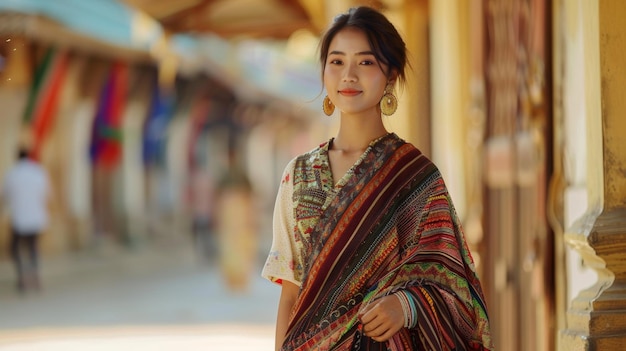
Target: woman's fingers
{"x":378,"y":332}
{"x":384,"y":336}
{"x":383,"y":318}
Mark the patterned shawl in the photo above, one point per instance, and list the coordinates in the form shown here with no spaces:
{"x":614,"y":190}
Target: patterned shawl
{"x":392,"y":226}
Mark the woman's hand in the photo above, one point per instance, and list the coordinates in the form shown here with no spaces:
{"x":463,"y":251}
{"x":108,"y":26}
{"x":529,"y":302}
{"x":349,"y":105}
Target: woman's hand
{"x":382,"y":318}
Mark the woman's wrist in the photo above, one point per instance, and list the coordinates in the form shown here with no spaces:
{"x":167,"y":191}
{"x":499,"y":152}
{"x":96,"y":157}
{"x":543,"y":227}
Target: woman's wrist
{"x":408,"y":308}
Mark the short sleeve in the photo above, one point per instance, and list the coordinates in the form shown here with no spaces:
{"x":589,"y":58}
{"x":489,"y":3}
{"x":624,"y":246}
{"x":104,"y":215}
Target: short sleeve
{"x":283,"y":257}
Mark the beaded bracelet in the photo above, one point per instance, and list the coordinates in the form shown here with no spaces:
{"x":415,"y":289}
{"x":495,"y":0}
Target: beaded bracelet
{"x":408,"y":308}
{"x":403,"y":303}
{"x":413,"y":319}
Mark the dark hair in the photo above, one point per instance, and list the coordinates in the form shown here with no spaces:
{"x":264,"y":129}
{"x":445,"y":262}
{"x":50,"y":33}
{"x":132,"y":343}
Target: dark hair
{"x":386,"y":42}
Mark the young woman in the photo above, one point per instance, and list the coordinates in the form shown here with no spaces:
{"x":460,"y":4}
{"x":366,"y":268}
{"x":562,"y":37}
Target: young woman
{"x":367,"y":245}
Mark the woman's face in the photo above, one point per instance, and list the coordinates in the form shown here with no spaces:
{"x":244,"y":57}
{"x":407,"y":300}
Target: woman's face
{"x":353,"y":77}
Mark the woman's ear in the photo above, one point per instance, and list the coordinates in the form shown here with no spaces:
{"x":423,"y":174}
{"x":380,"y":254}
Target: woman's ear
{"x":393,"y":76}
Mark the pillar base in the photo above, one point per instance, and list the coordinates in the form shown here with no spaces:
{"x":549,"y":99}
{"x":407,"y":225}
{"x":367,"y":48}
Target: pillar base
{"x":581,"y":341}
{"x":597,"y":316}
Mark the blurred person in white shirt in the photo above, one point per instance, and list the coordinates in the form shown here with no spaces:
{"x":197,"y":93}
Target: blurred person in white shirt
{"x":25,"y":191}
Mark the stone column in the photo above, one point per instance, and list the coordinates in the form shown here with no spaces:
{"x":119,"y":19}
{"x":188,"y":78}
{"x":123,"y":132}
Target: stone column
{"x":412,"y":120}
{"x":132,"y":167}
{"x":15,"y":78}
{"x":449,"y":78}
{"x":596,"y":319}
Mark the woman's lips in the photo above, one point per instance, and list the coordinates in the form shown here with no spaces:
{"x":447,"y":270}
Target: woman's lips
{"x":349,"y":92}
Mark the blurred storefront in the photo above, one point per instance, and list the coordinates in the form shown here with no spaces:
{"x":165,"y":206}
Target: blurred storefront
{"x":122,"y":113}
{"x":136,"y":107}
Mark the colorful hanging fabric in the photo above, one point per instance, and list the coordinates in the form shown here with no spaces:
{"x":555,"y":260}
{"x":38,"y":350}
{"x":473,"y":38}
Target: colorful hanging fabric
{"x":155,"y":127}
{"x":44,"y":96}
{"x":106,"y":142}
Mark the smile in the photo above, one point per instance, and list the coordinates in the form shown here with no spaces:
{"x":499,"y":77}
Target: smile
{"x":349,"y":92}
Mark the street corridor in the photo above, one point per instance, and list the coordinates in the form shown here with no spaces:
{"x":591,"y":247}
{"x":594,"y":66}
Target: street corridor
{"x":156,"y":298}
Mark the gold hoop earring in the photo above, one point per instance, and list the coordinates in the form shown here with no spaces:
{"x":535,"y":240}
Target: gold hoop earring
{"x":328,"y":106}
{"x":389,"y":103}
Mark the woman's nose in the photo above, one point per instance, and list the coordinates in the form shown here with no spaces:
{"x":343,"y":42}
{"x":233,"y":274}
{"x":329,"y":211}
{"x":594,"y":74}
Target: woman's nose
{"x":349,"y":74}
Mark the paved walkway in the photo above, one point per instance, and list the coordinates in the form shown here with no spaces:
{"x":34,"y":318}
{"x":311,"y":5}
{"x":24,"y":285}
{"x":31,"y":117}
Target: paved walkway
{"x":160,"y":298}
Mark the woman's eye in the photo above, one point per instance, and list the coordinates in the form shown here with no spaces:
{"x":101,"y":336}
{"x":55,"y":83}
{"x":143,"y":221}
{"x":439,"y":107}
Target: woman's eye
{"x":367,"y":63}
{"x":335,"y":62}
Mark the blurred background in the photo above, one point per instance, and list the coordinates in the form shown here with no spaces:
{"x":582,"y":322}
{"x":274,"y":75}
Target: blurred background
{"x":165,"y":125}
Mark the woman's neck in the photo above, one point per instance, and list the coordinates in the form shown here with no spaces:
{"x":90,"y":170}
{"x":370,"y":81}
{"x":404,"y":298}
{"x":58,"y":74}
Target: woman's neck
{"x":356,"y":134}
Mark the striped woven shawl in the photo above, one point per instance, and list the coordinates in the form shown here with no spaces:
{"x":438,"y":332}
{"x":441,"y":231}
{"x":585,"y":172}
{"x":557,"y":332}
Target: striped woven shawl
{"x":392,"y":226}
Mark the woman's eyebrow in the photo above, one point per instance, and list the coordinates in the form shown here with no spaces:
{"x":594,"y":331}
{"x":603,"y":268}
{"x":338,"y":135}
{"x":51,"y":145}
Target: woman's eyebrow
{"x":362,"y":53}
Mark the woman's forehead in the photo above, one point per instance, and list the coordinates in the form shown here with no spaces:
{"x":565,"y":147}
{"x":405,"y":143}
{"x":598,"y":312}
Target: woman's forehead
{"x":350,"y":40}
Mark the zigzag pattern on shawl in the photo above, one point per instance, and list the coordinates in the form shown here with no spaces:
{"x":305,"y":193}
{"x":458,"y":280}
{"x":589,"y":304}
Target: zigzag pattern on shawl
{"x":452,"y":313}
